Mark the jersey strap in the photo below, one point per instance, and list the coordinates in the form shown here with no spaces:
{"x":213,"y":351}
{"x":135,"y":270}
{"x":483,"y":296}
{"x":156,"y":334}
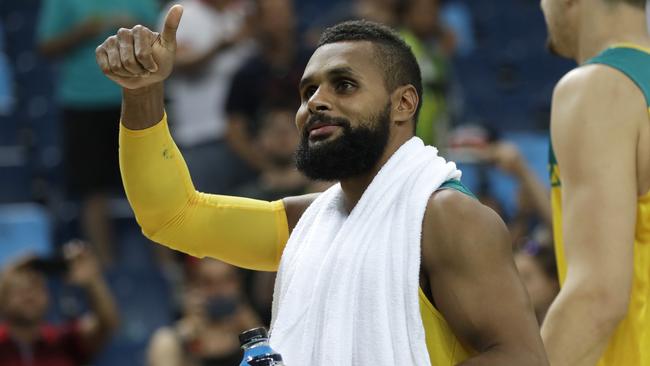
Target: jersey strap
{"x":631,"y":60}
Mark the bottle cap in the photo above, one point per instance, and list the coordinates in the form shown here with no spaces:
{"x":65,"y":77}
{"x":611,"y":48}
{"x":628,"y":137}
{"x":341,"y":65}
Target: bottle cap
{"x":254,"y":334}
{"x":266,"y":360}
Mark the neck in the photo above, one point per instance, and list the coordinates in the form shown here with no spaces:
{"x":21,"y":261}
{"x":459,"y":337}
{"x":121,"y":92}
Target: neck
{"x":23,"y":333}
{"x":607,"y":25}
{"x":353,"y":188}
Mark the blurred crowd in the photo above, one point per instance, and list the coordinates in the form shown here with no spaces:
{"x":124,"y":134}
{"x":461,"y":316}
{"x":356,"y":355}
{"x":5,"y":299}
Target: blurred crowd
{"x":116,"y":298}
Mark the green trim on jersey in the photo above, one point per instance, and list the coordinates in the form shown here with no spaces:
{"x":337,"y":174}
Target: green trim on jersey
{"x":632,"y":62}
{"x":553,"y":173}
{"x":457,"y":185}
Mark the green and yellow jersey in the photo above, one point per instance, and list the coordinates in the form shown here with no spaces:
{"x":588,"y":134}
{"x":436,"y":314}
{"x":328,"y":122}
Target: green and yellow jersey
{"x":171,"y":212}
{"x":630,"y":344}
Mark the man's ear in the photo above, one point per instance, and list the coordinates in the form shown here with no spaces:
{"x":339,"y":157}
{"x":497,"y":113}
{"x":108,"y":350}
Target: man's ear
{"x":405,"y":102}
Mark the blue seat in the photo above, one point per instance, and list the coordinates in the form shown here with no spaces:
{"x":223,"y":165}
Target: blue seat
{"x":24,"y":229}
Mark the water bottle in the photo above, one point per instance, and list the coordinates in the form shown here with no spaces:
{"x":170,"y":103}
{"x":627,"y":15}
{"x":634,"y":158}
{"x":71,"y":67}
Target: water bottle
{"x":257,"y":351}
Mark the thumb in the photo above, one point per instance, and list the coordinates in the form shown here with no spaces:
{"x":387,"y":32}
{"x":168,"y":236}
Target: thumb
{"x":172,"y":20}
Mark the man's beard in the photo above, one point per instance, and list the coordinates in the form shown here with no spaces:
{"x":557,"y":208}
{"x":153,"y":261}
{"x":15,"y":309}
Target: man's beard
{"x":352,"y":154}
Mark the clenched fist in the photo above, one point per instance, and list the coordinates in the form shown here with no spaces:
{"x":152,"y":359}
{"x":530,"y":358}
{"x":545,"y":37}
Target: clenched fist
{"x":138,"y":57}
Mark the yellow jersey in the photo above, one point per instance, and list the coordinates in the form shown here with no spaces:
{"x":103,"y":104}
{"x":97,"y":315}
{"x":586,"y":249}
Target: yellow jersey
{"x":204,"y":225}
{"x":630,"y":344}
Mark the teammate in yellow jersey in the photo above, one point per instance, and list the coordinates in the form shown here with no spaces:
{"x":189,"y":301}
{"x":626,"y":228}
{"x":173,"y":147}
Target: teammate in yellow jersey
{"x":600,"y":175}
{"x":360,"y":95}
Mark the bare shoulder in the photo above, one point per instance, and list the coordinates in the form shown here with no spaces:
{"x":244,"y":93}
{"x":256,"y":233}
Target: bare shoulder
{"x":295,"y":206}
{"x":595,"y":106}
{"x":467,"y":256}
{"x":593,"y":91}
{"x":590,"y":78}
{"x":456,"y":225}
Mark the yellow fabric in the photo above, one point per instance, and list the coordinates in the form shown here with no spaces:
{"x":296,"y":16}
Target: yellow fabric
{"x":244,"y":232}
{"x":171,"y":212}
{"x":556,"y":205}
{"x":443,"y":346}
{"x":631,"y":45}
{"x":630,"y":344}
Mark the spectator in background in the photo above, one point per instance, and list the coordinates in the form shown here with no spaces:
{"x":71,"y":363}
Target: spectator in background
{"x":380,"y":11}
{"x":456,"y":15}
{"x":277,"y":140}
{"x":533,"y":206}
{"x":215,"y":312}
{"x":25,"y":337}
{"x":536,"y":265}
{"x":432,"y":45}
{"x":213,"y":43}
{"x":268,"y":78}
{"x":68,"y":32}
{"x":481,"y":147}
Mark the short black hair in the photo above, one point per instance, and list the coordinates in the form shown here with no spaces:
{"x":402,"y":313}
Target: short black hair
{"x":395,"y":56}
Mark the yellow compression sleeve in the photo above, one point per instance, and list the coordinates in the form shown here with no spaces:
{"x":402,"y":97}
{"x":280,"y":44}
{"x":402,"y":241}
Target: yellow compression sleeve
{"x":241,"y":231}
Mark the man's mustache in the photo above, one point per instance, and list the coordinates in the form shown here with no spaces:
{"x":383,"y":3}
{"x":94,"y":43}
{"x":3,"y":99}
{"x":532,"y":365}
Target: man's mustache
{"x":322,"y":118}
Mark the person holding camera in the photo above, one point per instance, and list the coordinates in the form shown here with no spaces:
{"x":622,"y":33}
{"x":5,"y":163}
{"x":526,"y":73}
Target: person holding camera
{"x":215,"y":312}
{"x":26,"y":338}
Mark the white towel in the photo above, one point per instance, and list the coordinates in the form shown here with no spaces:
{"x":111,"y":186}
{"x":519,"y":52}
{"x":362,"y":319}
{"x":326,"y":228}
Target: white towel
{"x":346,"y":293}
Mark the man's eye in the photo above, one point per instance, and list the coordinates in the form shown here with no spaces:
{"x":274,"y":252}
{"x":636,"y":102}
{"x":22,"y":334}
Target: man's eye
{"x":309,"y":92}
{"x":344,"y":86}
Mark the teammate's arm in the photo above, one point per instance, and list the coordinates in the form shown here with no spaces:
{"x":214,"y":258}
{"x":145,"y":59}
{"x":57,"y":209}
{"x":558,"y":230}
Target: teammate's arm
{"x":244,"y":232}
{"x":593,"y":125}
{"x":468,"y":259}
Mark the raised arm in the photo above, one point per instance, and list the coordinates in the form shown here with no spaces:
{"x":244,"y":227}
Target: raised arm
{"x":101,"y":322}
{"x":244,"y":232}
{"x":593,"y":127}
{"x":468,"y":259}
{"x":139,"y":60}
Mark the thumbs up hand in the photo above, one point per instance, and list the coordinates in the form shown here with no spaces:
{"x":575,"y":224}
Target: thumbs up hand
{"x":138,"y":57}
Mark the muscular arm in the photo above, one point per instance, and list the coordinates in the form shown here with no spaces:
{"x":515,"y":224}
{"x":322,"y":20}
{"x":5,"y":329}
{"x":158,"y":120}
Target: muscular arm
{"x":593,"y":127}
{"x":246,"y":233}
{"x":468,"y":258}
